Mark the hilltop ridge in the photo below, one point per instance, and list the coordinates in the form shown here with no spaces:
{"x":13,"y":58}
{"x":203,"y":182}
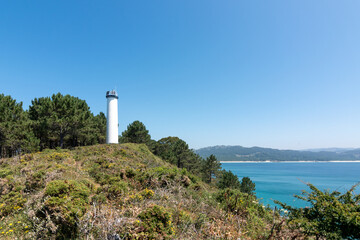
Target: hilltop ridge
{"x":119,"y":192}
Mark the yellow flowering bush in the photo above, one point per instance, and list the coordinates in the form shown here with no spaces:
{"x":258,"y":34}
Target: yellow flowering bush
{"x":156,"y":222}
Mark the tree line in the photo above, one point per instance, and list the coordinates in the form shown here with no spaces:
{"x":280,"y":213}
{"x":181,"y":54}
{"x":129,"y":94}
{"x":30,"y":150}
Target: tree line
{"x":177,"y":152}
{"x":58,"y":121}
{"x":64,"y":121}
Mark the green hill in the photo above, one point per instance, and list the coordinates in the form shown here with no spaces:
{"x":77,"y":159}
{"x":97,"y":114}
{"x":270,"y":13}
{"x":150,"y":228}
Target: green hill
{"x":238,"y":153}
{"x":121,"y":192}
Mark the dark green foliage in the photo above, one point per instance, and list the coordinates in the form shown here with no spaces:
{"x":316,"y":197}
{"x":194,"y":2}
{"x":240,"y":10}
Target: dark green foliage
{"x":15,"y":129}
{"x":228,"y":180}
{"x":177,"y":152}
{"x":156,"y":222}
{"x":93,"y":132}
{"x":115,"y":189}
{"x":164,"y":148}
{"x":136,"y":132}
{"x":331,"y":215}
{"x":99,"y":126}
{"x":65,"y":188}
{"x":65,"y":121}
{"x":181,"y":153}
{"x":59,"y":121}
{"x":247,"y":186}
{"x":211,"y":168}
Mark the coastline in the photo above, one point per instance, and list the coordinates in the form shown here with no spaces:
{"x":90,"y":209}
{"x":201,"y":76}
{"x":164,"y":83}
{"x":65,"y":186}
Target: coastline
{"x":333,"y":161}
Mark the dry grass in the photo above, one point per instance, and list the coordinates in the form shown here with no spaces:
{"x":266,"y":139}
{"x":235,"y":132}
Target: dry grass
{"x":124,"y":181}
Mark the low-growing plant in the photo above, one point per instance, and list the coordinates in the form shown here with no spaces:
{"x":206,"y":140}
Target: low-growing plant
{"x":4,"y":171}
{"x":116,"y":189}
{"x":11,"y":202}
{"x":182,"y":219}
{"x":248,"y":207}
{"x":200,"y":220}
{"x":66,"y":201}
{"x":130,"y":173}
{"x":147,"y":193}
{"x":58,"y":155}
{"x":35,"y":181}
{"x":156,"y":222}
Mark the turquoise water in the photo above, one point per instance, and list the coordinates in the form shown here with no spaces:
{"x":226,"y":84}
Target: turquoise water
{"x":280,"y":181}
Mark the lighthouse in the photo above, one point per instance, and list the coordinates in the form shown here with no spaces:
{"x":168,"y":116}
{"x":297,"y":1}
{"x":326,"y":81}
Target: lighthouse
{"x":112,"y":125}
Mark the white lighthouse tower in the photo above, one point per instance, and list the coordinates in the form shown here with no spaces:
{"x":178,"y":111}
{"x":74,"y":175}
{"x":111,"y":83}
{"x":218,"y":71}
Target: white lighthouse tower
{"x":112,"y":125}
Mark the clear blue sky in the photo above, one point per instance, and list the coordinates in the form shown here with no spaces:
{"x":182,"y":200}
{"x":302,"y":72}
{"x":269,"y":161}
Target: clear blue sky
{"x":282,"y":74}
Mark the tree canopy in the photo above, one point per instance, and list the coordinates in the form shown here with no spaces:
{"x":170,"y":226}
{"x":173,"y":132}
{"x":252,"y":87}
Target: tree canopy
{"x":228,"y":180}
{"x":211,"y":168}
{"x":15,"y":131}
{"x":247,"y":186}
{"x":136,"y":132}
{"x":177,"y":152}
{"x":50,"y":122}
{"x":65,"y":121}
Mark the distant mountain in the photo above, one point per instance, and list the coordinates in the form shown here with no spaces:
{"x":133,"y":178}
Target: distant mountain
{"x":338,"y":150}
{"x":238,"y":153}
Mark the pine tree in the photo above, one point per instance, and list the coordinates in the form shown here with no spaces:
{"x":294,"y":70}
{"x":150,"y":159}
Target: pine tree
{"x":247,"y":186}
{"x":16,"y":134}
{"x":228,"y":180}
{"x":61,"y":121}
{"x":136,"y":132}
{"x":211,"y":168}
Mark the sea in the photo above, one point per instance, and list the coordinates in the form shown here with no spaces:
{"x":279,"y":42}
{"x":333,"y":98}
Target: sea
{"x":282,"y":180}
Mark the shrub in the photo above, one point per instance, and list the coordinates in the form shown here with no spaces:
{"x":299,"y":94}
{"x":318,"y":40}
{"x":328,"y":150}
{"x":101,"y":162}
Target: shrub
{"x":169,"y":173}
{"x":58,"y":155}
{"x":130,"y":173}
{"x":116,"y":189}
{"x":146,"y":193}
{"x":67,"y":188}
{"x":67,"y":202}
{"x":182,"y":219}
{"x":156,"y":222}
{"x":246,"y":206}
{"x":331,"y":215}
{"x":11,"y":202}
{"x":5,"y":172}
{"x":35,"y":181}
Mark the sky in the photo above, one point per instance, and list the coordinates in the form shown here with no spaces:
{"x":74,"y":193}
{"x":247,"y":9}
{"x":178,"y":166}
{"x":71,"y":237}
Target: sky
{"x":280,"y":74}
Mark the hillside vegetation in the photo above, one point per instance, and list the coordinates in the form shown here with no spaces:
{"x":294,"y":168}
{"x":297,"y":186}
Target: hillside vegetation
{"x":238,"y":153}
{"x":142,"y":188}
{"x":121,"y":192}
